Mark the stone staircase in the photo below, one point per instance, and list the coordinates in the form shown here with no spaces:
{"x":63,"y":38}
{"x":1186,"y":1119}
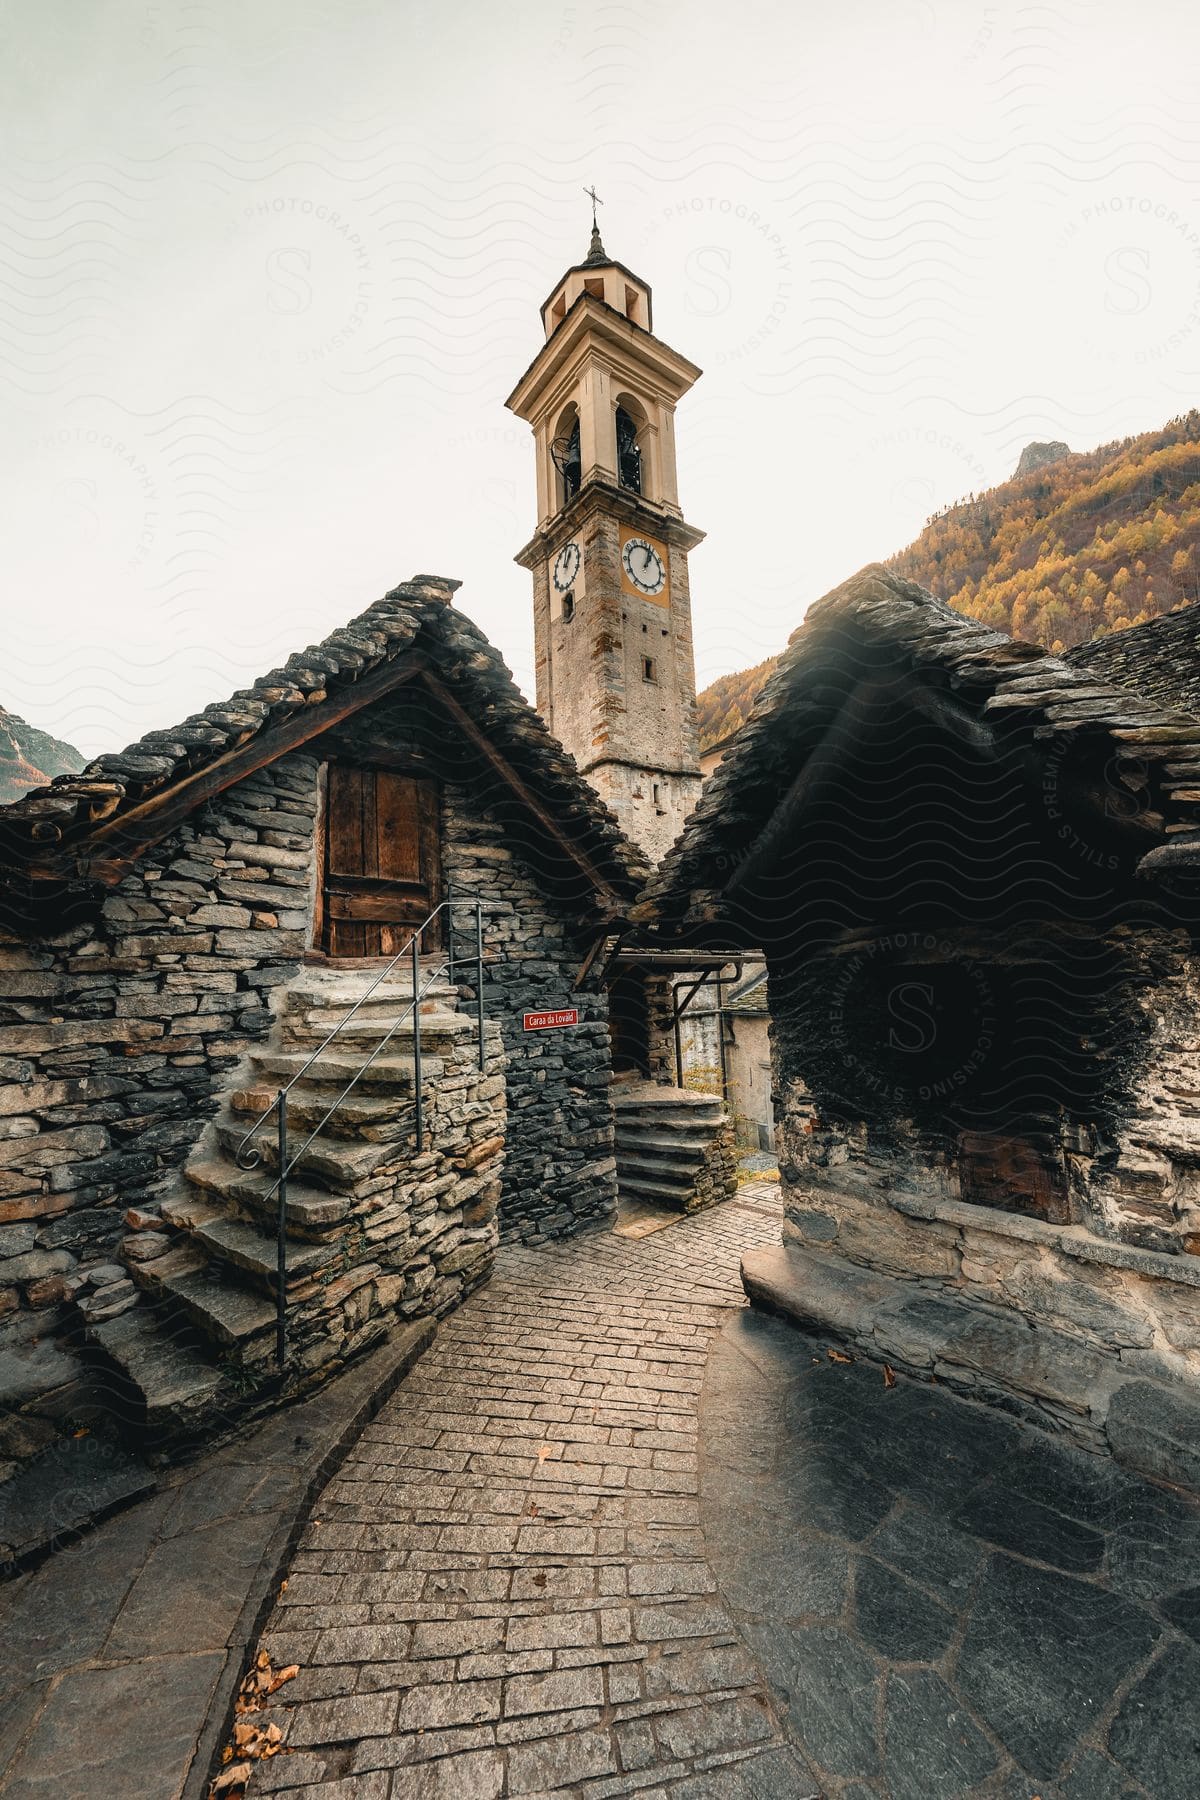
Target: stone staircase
{"x":674,"y":1147}
{"x":370,"y":1238}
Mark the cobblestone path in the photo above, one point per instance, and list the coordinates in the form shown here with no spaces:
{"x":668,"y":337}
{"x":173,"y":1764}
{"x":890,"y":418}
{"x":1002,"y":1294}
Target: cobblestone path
{"x":552,"y":1565}
{"x":504,"y":1590}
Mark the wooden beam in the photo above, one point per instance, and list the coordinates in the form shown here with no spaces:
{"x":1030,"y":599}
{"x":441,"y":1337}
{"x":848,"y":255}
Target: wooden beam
{"x":589,"y":961}
{"x":532,"y":804}
{"x":108,"y":849}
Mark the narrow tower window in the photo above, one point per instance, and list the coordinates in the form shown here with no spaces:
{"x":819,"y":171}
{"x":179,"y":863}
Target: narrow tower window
{"x":568,"y":462}
{"x":568,"y":608}
{"x":629,"y":455}
{"x":649,"y":672}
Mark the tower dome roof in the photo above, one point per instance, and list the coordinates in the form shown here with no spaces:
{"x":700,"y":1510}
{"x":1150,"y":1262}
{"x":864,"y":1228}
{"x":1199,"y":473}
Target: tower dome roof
{"x":597,"y":254}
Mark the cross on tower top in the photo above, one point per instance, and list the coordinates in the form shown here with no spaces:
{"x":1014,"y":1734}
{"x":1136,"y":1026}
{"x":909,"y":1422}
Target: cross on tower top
{"x":596,"y":251}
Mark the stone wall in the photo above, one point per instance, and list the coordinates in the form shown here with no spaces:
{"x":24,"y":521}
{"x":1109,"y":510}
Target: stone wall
{"x":560,"y":1167}
{"x":660,"y":1015}
{"x":1053,"y":1314}
{"x":117,"y":1037}
{"x":652,"y":804}
{"x":717,"y":1179}
{"x":700,"y":1039}
{"x":748,"y":1060}
{"x":635,"y":739}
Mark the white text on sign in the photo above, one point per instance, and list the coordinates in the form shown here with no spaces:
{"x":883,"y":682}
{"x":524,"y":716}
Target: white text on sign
{"x":547,"y":1021}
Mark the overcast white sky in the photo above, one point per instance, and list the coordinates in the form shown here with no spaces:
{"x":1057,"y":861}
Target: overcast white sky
{"x":269,"y":268}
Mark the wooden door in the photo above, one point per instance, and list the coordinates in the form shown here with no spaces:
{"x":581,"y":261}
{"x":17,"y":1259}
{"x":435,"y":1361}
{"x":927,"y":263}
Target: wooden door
{"x":382,"y":861}
{"x":1015,"y":1174}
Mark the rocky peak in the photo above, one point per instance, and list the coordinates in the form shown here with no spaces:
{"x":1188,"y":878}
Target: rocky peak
{"x":1036,"y":456}
{"x":30,"y":758}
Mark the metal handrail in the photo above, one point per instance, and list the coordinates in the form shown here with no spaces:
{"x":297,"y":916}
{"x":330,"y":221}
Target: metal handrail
{"x":248,"y":1156}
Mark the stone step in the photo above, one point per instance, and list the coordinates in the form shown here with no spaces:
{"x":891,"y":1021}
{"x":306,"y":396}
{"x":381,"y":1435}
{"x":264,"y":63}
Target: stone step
{"x":660,"y":1193}
{"x":329,"y":1162}
{"x":66,"y":1487}
{"x":311,"y":1211}
{"x":173,"y":1386}
{"x":438,"y":1026}
{"x":655,"y":1105}
{"x":377,"y":1117}
{"x":655,"y":1168}
{"x":984,"y":1351}
{"x":233,"y":1317}
{"x":688,"y":1128}
{"x":338,"y":993}
{"x":336,"y":1066}
{"x":634,"y":1092}
{"x":687,"y":1143}
{"x":254,"y":1253}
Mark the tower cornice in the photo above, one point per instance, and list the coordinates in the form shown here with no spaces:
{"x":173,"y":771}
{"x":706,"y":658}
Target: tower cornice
{"x":614,"y":501}
{"x":591,"y":322}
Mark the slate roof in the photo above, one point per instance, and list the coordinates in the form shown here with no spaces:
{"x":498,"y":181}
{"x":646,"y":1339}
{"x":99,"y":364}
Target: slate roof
{"x":750,"y":998}
{"x":1159,"y":660}
{"x":417,"y":615}
{"x":991,"y":671}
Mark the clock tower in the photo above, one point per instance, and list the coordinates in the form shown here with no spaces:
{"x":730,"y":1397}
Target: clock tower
{"x":612,"y":613}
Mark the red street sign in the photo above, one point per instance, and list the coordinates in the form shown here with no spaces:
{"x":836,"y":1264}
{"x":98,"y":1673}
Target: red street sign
{"x":547,"y":1021}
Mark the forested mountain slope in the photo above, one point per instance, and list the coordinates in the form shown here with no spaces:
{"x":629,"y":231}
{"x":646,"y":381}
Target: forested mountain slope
{"x":1087,"y":544}
{"x":29,"y":758}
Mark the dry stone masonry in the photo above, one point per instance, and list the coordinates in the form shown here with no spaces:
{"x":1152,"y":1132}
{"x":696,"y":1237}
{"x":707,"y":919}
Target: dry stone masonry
{"x":674,"y":1146}
{"x":120,"y":1036}
{"x":158,"y":984}
{"x":972,"y":868}
{"x":560,"y":1166}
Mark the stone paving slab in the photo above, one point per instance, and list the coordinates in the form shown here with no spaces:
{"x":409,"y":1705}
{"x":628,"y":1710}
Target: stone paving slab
{"x":119,"y":1657}
{"x":946,"y":1603}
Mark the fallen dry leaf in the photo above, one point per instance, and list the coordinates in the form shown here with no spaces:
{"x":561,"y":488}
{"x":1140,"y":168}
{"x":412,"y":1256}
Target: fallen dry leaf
{"x":545,"y":1451}
{"x":231,"y":1779}
{"x":539,"y":1580}
{"x":889,"y":1375}
{"x":288,"y":1674}
{"x":838,"y":1356}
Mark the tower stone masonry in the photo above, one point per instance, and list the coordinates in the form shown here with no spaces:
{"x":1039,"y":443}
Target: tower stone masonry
{"x":612,"y":612}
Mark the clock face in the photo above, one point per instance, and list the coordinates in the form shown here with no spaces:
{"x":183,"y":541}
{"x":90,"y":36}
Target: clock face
{"x":644,"y":566}
{"x":566,"y":566}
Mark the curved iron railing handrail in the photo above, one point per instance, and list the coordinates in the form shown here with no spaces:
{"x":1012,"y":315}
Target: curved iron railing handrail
{"x":449,"y":901}
{"x":279,"y":1105}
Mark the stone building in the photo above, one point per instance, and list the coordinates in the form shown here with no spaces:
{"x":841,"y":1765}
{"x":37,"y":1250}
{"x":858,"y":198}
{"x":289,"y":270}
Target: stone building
{"x":745,"y":1034}
{"x":182,"y":926}
{"x":616,"y":678}
{"x":972,"y":867}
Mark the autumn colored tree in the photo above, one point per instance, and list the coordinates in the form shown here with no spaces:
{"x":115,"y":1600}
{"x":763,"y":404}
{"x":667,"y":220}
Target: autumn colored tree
{"x":1094,"y":543}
